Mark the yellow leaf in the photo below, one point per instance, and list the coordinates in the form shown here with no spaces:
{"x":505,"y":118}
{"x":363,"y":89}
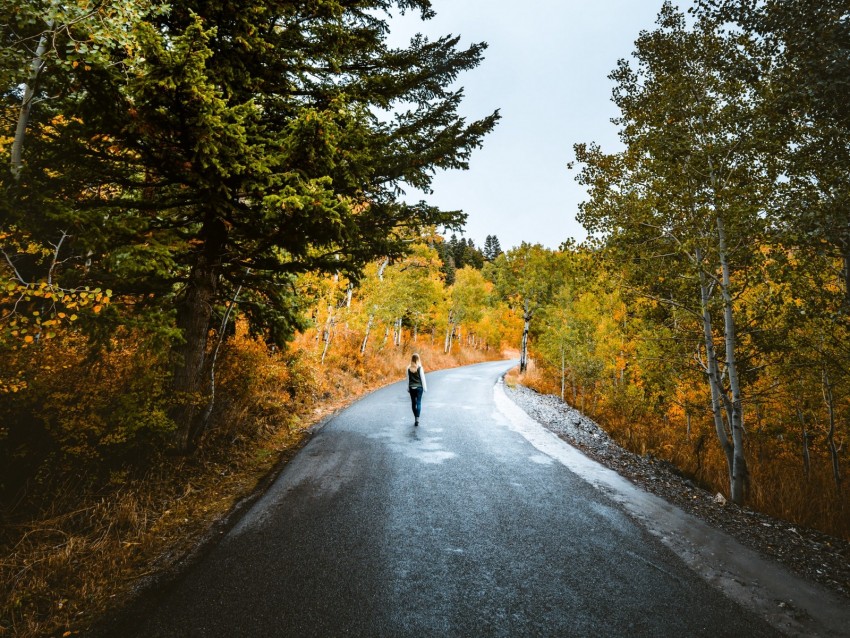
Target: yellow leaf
{"x":73,"y":317}
{"x":97,"y":308}
{"x":28,"y":339}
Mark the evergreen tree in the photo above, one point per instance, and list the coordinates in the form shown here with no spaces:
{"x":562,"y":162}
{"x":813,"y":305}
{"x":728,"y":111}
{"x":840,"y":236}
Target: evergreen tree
{"x":250,"y":142}
{"x":492,"y":249}
{"x":473,"y":256}
{"x":457,"y":250}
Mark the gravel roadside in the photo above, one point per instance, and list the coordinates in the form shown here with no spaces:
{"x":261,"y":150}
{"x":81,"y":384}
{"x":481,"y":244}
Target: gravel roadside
{"x":813,"y":555}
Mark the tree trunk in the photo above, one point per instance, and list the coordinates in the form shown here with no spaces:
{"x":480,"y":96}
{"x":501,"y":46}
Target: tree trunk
{"x":523,"y":352}
{"x":805,"y":434}
{"x":205,"y":418}
{"x":366,"y":336}
{"x":712,"y":369}
{"x":739,"y":466}
{"x":329,"y":326}
{"x":450,"y":330}
{"x":194,"y":312}
{"x":26,"y":105}
{"x":326,"y":331}
{"x":830,"y":435}
{"x":193,"y":321}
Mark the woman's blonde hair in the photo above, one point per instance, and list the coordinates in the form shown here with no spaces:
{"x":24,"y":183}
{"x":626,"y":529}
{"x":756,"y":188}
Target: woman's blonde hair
{"x":414,"y":360}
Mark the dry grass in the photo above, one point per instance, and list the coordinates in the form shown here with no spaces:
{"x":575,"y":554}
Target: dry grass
{"x":64,"y":569}
{"x":83,"y":555}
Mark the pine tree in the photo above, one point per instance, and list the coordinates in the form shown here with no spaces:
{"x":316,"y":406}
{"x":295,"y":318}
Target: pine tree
{"x":474,"y":257}
{"x":252,"y":142}
{"x":492,"y":249}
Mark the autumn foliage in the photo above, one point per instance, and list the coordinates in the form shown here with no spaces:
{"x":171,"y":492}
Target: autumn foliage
{"x":92,"y":493}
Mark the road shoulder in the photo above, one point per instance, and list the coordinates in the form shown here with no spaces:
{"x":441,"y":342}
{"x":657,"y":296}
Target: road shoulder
{"x":795,"y":605}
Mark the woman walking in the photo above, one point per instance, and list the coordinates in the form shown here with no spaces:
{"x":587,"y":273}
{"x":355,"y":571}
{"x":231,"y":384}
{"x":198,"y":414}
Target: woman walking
{"x":416,"y":385}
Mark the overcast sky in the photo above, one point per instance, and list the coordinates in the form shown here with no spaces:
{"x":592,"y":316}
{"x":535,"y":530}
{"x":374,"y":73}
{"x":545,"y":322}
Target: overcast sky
{"x":546,"y":69}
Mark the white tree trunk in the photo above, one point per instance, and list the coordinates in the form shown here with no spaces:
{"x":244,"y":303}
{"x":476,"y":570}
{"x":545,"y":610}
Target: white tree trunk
{"x":327,"y":337}
{"x":366,"y":336}
{"x":712,"y":368}
{"x":26,"y":105}
{"x":830,"y":435}
{"x":736,"y":418}
{"x":523,"y":352}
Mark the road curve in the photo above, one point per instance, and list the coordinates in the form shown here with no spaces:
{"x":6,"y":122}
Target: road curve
{"x":459,"y":527}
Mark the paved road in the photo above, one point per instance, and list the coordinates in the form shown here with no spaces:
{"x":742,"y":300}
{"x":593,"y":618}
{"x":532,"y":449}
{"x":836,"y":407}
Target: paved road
{"x":458,"y":527}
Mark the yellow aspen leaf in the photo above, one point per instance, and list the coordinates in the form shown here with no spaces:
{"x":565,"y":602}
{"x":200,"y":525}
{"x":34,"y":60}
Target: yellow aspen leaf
{"x":73,"y":317}
{"x":28,"y":339}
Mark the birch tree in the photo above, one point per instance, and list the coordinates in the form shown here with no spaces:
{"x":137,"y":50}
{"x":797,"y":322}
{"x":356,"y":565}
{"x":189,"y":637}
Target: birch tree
{"x":527,"y":277}
{"x":466,"y":300}
{"x":684,"y":202}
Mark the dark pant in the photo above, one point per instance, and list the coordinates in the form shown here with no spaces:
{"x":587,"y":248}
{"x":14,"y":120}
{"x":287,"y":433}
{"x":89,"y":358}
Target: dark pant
{"x":416,"y":400}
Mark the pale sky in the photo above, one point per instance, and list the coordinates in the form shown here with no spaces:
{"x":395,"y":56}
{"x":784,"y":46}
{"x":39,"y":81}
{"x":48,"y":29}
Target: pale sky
{"x":546,"y":69}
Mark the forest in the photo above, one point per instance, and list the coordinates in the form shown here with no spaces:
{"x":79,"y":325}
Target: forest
{"x":206,"y":247}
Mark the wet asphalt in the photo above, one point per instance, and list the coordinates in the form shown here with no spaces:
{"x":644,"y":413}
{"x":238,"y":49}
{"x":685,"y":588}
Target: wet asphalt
{"x":458,"y":527}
